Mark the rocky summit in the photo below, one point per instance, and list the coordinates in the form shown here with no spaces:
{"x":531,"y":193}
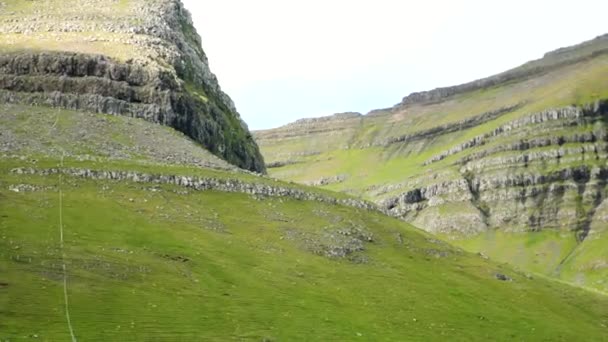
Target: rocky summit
{"x":140,"y":59}
{"x":513,"y":165}
{"x":134,"y":204}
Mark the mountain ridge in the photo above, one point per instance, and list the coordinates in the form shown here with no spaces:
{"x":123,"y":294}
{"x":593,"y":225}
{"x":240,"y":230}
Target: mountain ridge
{"x":528,"y":69}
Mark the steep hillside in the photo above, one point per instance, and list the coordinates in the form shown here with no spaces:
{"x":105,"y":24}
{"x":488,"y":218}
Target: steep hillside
{"x":116,"y":228}
{"x":135,"y":58}
{"x":513,"y":165}
{"x":106,"y":239}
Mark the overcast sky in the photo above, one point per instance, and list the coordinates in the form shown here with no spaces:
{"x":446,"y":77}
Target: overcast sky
{"x":281,"y":60}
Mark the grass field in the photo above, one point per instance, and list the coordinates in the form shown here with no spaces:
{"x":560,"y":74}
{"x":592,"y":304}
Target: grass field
{"x":160,"y":264}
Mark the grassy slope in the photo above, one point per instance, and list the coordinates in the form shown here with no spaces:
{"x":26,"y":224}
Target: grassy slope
{"x":587,"y":264}
{"x":42,"y":131}
{"x":104,"y":43}
{"x":159,"y":263}
{"x":245,"y":279}
{"x":540,"y":252}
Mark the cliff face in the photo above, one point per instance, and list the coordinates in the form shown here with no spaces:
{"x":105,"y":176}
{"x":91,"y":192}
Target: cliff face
{"x":136,"y":58}
{"x":513,"y":165}
{"x":554,"y":178}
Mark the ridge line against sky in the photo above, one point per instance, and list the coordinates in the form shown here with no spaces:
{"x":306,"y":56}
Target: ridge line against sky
{"x":283,"y":60}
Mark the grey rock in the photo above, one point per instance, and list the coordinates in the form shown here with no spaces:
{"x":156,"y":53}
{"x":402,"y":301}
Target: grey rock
{"x":503,"y":277}
{"x":204,"y":184}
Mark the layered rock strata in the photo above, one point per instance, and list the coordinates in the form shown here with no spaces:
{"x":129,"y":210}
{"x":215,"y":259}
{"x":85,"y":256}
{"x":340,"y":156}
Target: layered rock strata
{"x":556,"y":181}
{"x":142,"y":60}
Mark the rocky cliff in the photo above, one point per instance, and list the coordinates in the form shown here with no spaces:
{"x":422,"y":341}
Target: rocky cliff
{"x":554,"y":178}
{"x":136,"y":58}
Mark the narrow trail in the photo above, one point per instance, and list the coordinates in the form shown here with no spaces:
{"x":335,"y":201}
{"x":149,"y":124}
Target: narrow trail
{"x":61,"y":243}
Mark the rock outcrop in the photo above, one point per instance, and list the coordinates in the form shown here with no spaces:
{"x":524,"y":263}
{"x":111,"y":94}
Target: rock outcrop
{"x":144,"y":60}
{"x":258,"y":189}
{"x":557,"y":181}
{"x":563,"y":117}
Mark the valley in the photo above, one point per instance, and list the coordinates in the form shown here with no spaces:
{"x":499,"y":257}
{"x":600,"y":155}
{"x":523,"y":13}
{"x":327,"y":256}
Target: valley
{"x":136,"y":204}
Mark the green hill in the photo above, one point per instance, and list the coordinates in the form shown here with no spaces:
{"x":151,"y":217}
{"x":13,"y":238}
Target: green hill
{"x":513,"y":165}
{"x":129,"y":210}
{"x":165,"y":251}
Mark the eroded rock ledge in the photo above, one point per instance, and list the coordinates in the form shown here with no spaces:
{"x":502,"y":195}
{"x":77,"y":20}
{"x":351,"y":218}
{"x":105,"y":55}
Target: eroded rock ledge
{"x":449,"y":128}
{"x":557,"y":179}
{"x":564,"y":199}
{"x":200,"y":184}
{"x":570,"y":116}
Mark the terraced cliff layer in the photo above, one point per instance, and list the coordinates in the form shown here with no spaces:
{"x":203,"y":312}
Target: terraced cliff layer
{"x":135,"y":58}
{"x":513,"y":166}
{"x":524,"y":163}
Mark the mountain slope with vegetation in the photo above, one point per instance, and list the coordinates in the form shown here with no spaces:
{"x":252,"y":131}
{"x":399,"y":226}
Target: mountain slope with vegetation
{"x":161,"y":250}
{"x":116,"y":228}
{"x":135,"y":58}
{"x":513,"y":165}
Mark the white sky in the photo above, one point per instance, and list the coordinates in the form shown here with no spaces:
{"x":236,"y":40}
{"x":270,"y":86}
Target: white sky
{"x":282,"y":60}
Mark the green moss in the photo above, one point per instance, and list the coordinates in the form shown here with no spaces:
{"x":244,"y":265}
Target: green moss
{"x":197,"y":91}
